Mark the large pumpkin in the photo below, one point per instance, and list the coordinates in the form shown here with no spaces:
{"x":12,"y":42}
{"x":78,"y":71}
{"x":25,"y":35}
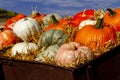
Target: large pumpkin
{"x":27,"y":29}
{"x":52,"y":37}
{"x":97,"y":37}
{"x":73,"y":54}
{"x":112,"y":19}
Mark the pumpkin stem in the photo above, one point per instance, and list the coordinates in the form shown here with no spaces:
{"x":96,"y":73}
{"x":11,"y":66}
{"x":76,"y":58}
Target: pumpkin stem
{"x":25,"y":18}
{"x":83,"y":14}
{"x":1,"y":27}
{"x":112,"y":13}
{"x":99,"y":23}
{"x":73,"y":47}
{"x":55,"y":21}
{"x":38,"y":14}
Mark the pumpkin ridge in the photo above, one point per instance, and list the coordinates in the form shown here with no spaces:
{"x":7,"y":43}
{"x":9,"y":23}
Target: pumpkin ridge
{"x":36,"y":29}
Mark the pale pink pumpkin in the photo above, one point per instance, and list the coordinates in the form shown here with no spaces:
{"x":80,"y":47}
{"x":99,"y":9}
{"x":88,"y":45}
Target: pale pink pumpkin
{"x":73,"y":54}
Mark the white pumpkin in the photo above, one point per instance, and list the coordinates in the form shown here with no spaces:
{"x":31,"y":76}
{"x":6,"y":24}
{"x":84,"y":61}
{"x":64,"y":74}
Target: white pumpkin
{"x":47,"y":18}
{"x":87,"y":22}
{"x":27,"y":29}
{"x":24,"y":48}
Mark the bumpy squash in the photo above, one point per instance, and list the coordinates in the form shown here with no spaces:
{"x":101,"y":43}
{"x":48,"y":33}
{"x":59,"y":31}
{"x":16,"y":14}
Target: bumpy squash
{"x":52,"y":37}
{"x":24,"y":48}
{"x":73,"y":54}
{"x":24,"y":51}
{"x":48,"y":55}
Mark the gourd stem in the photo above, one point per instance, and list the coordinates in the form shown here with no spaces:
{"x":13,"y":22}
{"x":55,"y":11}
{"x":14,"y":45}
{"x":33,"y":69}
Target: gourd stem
{"x":55,"y":21}
{"x":99,"y":23}
{"x":112,"y":13}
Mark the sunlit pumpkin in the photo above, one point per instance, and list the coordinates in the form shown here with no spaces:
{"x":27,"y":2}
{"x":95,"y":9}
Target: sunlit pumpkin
{"x":73,"y":54}
{"x":28,"y":29}
{"x":7,"y":38}
{"x":97,"y":37}
{"x":112,"y":18}
{"x":11,"y":22}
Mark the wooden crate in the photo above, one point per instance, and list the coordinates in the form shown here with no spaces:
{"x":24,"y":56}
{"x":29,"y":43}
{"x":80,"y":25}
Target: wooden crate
{"x":105,"y":67}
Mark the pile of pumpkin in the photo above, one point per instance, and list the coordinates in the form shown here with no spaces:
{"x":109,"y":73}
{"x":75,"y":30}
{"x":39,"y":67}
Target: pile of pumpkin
{"x":64,"y":41}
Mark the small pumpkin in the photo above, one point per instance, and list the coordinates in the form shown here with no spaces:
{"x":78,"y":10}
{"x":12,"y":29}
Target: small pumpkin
{"x":73,"y":54}
{"x":24,"y":50}
{"x":47,"y":19}
{"x":28,"y":29}
{"x":11,"y":22}
{"x":52,"y":37}
{"x":7,"y":38}
{"x":83,"y":15}
{"x":98,"y":37}
{"x":48,"y":55}
{"x":37,"y":15}
{"x":112,"y":18}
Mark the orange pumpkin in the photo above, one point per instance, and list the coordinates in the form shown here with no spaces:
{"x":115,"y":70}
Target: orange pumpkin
{"x":61,"y":24}
{"x":7,"y":38}
{"x":19,"y":16}
{"x":83,"y":15}
{"x":37,"y":16}
{"x":97,"y":36}
{"x":112,"y":18}
{"x":10,"y":22}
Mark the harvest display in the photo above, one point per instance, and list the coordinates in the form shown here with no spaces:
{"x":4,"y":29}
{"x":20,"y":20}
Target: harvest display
{"x":63,"y":41}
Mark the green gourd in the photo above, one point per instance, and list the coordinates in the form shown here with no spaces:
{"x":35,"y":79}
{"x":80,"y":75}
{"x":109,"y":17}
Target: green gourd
{"x":48,"y":55}
{"x":47,"y":19}
{"x":52,"y":37}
